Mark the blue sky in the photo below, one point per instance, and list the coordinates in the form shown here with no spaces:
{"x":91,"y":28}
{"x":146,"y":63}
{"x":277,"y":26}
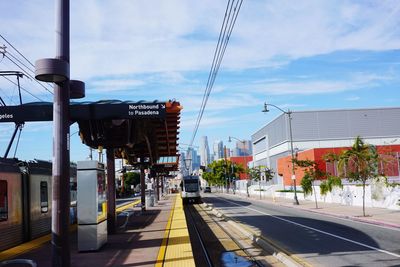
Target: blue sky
{"x":301,"y":55}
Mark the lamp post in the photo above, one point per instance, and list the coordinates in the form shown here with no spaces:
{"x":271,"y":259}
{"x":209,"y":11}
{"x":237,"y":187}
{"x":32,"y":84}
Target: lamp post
{"x":289,"y":113}
{"x":188,"y":162}
{"x":243,"y":142}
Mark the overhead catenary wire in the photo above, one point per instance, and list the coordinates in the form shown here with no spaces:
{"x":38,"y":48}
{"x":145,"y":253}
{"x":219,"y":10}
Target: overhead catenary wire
{"x":25,"y":90}
{"x":9,"y":98}
{"x":25,"y":72}
{"x":16,"y":50}
{"x":27,"y":68}
{"x":223,"y":40}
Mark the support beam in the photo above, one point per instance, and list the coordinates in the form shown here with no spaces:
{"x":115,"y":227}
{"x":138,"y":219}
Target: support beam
{"x":111,"y":211}
{"x":162,"y":185}
{"x":157,"y":188}
{"x":142,"y":186}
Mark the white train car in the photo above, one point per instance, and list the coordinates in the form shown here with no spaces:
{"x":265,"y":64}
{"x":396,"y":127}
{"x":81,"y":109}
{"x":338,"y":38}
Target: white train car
{"x":190,"y":189}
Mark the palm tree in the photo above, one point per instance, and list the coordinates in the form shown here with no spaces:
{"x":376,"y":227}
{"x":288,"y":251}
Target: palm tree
{"x":359,"y":164}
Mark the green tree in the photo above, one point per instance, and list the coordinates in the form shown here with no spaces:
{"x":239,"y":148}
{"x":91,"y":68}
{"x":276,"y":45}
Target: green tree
{"x":331,"y":181}
{"x":359,"y":164}
{"x":311,"y":173}
{"x":131,"y":178}
{"x":218,"y":172}
{"x":255,"y":174}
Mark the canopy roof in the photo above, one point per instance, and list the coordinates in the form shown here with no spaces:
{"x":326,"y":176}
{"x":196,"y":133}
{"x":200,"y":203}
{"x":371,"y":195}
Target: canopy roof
{"x":145,"y":130}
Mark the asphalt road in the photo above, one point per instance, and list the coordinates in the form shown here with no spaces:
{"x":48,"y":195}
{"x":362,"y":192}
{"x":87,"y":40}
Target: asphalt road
{"x":320,"y":240}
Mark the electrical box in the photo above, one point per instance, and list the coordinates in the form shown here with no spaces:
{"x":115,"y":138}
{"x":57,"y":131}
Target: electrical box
{"x":92,"y":205}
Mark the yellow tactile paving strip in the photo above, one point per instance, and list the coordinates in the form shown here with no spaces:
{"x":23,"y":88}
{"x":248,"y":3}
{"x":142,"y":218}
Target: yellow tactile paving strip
{"x":177,"y":247}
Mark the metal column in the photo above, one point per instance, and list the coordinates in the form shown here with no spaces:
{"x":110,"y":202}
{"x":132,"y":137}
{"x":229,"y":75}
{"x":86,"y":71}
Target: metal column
{"x":111,"y":213}
{"x":142,"y":187}
{"x":61,"y":193}
{"x":158,"y":187}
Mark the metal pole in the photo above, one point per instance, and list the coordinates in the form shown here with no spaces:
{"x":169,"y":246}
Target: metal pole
{"x":162,"y":185}
{"x":142,"y":186}
{"x":296,"y":201}
{"x":61,"y":193}
{"x":111,"y":212}
{"x":19,"y":91}
{"x":158,"y":187}
{"x":12,"y":140}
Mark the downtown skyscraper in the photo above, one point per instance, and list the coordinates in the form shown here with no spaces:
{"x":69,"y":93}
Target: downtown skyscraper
{"x":204,"y":151}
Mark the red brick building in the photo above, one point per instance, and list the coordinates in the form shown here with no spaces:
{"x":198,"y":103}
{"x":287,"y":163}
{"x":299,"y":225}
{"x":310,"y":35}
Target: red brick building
{"x":242,"y":160}
{"x":389,"y":167}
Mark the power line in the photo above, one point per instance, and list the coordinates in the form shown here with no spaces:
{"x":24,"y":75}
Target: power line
{"x":223,"y":40}
{"x":32,"y":72}
{"x":27,"y":74}
{"x":16,"y":50}
{"x":212,"y":69}
{"x":23,"y":89}
{"x":9,"y":98}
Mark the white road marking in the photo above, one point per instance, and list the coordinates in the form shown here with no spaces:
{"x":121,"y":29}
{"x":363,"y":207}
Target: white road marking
{"x":352,"y":221}
{"x":317,"y":230}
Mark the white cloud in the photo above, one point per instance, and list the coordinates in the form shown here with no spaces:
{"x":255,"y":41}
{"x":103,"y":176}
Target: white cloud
{"x":353,"y":98}
{"x":110,"y":85}
{"x":219,"y":103}
{"x":126,"y":37}
{"x":357,"y":81}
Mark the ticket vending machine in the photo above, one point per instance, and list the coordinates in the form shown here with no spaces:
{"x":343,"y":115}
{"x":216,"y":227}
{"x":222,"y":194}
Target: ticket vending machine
{"x":92,"y":205}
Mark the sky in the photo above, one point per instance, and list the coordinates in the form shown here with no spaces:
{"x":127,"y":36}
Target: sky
{"x":298,"y":55}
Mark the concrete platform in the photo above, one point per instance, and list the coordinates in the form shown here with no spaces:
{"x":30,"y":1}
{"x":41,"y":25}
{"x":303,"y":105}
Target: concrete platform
{"x":157,"y":237}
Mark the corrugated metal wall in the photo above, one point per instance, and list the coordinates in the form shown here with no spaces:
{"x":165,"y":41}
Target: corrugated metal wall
{"x":332,"y":124}
{"x":326,"y":125}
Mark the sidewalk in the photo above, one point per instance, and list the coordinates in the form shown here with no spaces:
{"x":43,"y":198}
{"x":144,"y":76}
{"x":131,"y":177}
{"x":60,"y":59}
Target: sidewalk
{"x":377,"y":216}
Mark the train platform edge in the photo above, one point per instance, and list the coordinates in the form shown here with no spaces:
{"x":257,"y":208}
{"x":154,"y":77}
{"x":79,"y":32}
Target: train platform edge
{"x":176,"y":249}
{"x":157,"y":237}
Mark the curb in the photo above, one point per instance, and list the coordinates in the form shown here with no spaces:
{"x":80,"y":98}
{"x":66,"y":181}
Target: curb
{"x":266,"y":244}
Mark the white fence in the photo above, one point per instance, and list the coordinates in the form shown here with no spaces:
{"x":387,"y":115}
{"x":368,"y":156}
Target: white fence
{"x":377,"y":194}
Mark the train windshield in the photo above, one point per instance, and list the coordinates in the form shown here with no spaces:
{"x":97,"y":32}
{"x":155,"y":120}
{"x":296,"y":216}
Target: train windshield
{"x":191,"y":185}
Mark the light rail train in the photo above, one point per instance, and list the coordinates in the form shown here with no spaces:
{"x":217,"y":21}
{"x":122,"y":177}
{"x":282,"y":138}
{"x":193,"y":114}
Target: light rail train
{"x":25,"y":200}
{"x":190,"y":189}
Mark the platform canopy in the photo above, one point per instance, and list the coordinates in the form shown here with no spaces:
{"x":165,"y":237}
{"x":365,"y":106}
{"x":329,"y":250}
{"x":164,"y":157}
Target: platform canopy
{"x":134,"y":129}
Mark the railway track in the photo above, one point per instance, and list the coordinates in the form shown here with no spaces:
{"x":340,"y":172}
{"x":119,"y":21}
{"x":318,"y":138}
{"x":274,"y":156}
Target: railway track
{"x":213,"y":242}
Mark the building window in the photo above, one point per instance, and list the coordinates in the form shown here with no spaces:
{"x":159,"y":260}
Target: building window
{"x":389,"y":165}
{"x":3,"y":201}
{"x":332,"y":168}
{"x":44,"y":198}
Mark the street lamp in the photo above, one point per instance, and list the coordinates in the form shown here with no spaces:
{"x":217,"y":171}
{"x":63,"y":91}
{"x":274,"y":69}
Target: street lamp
{"x":188,"y":162}
{"x":231,"y":137}
{"x":289,"y":113}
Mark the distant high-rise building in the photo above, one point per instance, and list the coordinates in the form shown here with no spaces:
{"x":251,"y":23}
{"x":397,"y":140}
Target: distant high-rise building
{"x":194,"y":159}
{"x":243,"y":148}
{"x":204,"y":151}
{"x":218,"y":149}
